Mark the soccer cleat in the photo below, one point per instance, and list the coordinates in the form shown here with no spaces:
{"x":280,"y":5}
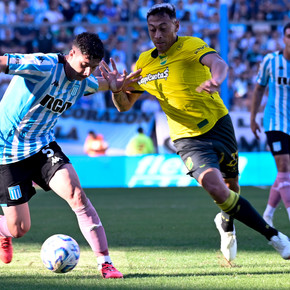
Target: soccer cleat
{"x":109,"y":271}
{"x":6,"y":250}
{"x":228,"y":240}
{"x":269,"y":220}
{"x":281,"y":244}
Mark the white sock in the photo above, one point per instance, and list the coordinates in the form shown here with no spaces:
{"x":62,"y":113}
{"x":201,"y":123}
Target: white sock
{"x":103,"y":259}
{"x":288,"y":210}
{"x":269,"y":211}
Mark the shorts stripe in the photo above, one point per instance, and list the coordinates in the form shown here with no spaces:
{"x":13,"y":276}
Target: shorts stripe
{"x":15,"y":192}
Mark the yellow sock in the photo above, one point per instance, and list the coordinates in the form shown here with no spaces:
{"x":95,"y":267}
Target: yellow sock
{"x":230,"y":202}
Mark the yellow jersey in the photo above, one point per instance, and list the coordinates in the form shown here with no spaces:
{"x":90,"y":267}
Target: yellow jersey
{"x":173,"y":78}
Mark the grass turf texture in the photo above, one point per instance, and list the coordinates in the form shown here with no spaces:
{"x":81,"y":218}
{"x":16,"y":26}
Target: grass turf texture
{"x":159,"y":238}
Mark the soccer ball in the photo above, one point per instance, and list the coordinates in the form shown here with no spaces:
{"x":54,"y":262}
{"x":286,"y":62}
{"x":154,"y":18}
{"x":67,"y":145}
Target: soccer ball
{"x":60,"y":253}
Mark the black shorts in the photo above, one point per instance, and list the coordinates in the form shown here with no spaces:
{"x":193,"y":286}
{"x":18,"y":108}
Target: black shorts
{"x":279,"y":142}
{"x":16,"y":179}
{"x":217,"y":148}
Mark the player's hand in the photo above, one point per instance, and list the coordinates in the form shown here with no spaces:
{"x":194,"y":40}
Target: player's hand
{"x":209,"y":86}
{"x":132,"y":78}
{"x":255,"y":129}
{"x":116,"y":81}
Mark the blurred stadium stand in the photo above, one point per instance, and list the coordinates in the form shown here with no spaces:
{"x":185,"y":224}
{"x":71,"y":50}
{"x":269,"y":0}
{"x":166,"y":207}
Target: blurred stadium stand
{"x":242,"y":31}
{"x":253,"y":28}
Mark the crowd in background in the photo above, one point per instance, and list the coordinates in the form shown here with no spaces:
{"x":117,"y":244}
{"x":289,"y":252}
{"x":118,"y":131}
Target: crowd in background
{"x":255,"y":28}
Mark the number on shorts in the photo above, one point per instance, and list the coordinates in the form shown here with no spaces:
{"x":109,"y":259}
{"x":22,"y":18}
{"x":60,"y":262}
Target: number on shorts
{"x":49,"y":152}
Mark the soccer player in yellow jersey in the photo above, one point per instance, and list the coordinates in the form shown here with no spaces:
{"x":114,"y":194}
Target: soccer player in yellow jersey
{"x":184,"y":74}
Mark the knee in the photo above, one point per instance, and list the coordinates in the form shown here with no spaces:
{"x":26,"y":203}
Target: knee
{"x":212,"y":181}
{"x":19,"y":231}
{"x":214,"y":186}
{"x":218,"y":192}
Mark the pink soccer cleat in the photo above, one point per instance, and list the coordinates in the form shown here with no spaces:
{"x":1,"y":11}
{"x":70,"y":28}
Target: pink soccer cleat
{"x":109,"y":271}
{"x":6,"y":250}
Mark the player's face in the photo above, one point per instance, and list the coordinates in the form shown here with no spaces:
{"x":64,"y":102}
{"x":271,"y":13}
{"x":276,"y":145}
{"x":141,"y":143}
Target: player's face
{"x":162,"y":31}
{"x":287,"y":39}
{"x":80,"y":65}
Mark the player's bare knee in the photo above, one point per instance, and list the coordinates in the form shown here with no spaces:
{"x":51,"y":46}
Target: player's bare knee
{"x":217,"y":191}
{"x":19,"y":231}
{"x":215,"y":188}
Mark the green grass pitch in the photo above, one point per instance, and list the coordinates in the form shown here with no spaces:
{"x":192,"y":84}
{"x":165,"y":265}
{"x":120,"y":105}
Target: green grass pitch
{"x":159,"y":238}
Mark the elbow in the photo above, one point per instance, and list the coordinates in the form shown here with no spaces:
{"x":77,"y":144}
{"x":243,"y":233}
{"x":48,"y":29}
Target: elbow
{"x":221,"y":64}
{"x":123,"y":109}
{"x":122,"y":106}
{"x":226,"y":67}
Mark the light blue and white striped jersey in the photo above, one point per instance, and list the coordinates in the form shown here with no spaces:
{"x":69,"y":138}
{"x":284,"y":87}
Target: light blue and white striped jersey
{"x":275,"y":72}
{"x":37,"y":95}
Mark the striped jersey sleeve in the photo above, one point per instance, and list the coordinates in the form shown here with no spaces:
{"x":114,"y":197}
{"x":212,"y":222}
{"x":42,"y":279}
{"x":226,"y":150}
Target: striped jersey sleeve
{"x":274,"y":71}
{"x":37,"y":95}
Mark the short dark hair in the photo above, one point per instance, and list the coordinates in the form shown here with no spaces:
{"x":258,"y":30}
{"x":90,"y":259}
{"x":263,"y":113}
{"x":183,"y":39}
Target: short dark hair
{"x":92,"y":133}
{"x":90,"y":44}
{"x":162,"y":8}
{"x":140,"y":130}
{"x":286,"y":27}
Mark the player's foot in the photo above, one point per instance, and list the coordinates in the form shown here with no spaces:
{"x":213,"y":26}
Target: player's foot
{"x":281,"y":243}
{"x":109,"y":271}
{"x":228,"y":240}
{"x":269,"y":220}
{"x":6,"y":249}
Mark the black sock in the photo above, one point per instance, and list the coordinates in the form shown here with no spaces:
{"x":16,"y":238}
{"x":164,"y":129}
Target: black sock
{"x":245,"y":213}
{"x":227,"y":222}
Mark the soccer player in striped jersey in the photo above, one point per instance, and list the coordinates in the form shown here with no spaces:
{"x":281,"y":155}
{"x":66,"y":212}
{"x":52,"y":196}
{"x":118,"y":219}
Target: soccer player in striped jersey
{"x":43,"y":87}
{"x":274,"y":72}
{"x":184,"y":73}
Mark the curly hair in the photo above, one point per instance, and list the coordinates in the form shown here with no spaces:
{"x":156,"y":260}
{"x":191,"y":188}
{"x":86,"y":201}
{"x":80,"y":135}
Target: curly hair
{"x":90,"y":44}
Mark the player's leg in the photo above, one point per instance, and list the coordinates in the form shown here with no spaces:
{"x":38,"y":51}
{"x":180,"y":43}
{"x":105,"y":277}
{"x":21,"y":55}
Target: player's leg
{"x":228,"y":221}
{"x":199,"y":154}
{"x":273,"y":201}
{"x":15,"y":191}
{"x":13,"y":224}
{"x":16,"y":221}
{"x":226,"y":148}
{"x":212,"y":157}
{"x":283,"y":179}
{"x":279,"y":143}
{"x":239,"y":208}
{"x":225,"y":225}
{"x":65,"y":183}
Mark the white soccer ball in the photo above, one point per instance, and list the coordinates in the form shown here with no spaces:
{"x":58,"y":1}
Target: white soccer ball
{"x":60,"y":253}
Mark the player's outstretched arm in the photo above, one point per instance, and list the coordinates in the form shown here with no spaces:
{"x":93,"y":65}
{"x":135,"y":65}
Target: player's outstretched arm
{"x":256,"y":102}
{"x":218,"y":68}
{"x":3,"y":63}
